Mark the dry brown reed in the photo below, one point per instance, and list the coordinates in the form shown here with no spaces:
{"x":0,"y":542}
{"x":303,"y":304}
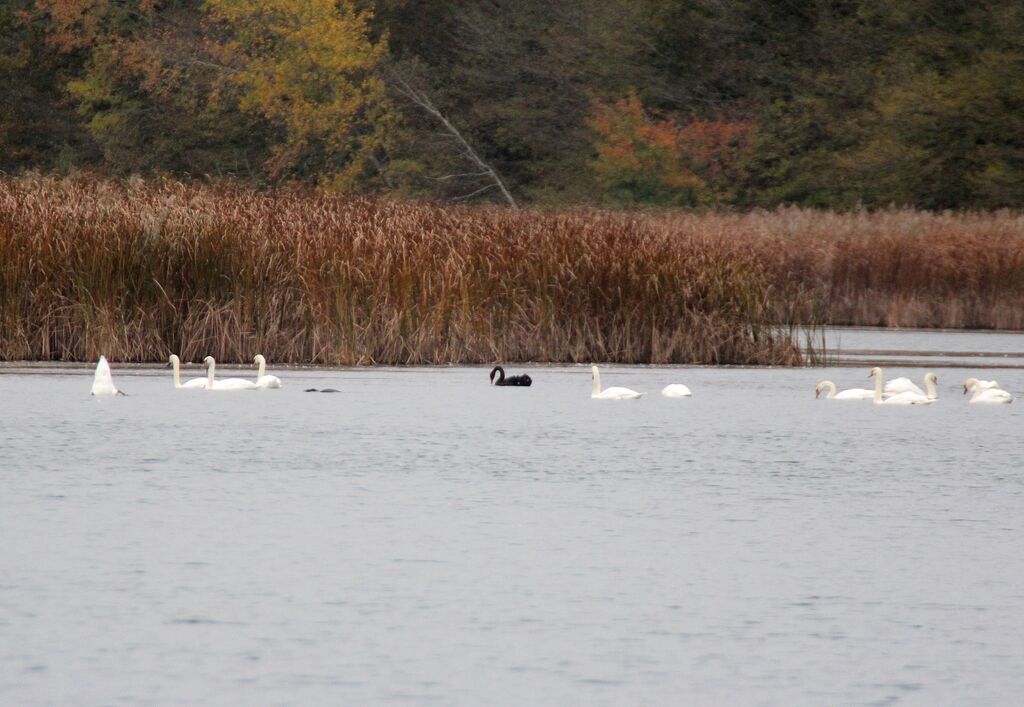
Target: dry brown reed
{"x":136,"y":270}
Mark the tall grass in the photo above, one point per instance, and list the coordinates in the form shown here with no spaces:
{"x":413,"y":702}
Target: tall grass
{"x":136,"y":270}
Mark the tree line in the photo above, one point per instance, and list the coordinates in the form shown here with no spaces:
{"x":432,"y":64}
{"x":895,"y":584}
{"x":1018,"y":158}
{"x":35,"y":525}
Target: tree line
{"x":690,"y":103}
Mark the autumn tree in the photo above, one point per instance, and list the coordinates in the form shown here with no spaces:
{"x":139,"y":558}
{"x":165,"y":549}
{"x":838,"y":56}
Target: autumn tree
{"x":148,"y":90}
{"x":666,"y":161}
{"x":309,"y":68}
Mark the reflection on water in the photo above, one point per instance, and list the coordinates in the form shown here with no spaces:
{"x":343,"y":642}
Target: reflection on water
{"x":425,"y":537}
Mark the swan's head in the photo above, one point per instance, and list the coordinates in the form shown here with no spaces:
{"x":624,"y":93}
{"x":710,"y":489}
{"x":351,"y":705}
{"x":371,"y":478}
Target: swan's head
{"x":208,"y":361}
{"x":876,"y":371}
{"x":817,"y":390}
{"x":969,"y":383}
{"x":258,"y":359}
{"x":593,"y":371}
{"x":931,"y":377}
{"x":172,"y":359}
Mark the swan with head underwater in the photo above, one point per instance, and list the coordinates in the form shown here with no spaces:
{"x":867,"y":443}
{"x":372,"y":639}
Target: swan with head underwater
{"x":262,"y":379}
{"x":907,"y":398}
{"x":613,"y":393}
{"x":102,"y":381}
{"x":195,"y":383}
{"x":521,"y":380}
{"x":987,"y":392}
{"x":676,"y":390}
{"x":227,"y":383}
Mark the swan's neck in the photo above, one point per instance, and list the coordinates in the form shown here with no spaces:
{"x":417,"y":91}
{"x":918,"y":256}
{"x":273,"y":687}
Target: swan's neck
{"x":177,"y":373}
{"x":501,"y":374}
{"x":831,"y":387}
{"x":596,"y":390}
{"x":929,"y":387}
{"x":209,"y":375}
{"x":878,"y":388}
{"x":263,"y":368}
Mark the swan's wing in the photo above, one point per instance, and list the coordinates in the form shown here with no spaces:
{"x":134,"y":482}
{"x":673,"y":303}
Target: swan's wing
{"x":855,"y":394}
{"x":619,"y":393}
{"x":195,"y":383}
{"x":902,"y":385}
{"x":268,"y":381}
{"x":234,"y":384}
{"x":992,"y":395}
{"x":908,"y":398}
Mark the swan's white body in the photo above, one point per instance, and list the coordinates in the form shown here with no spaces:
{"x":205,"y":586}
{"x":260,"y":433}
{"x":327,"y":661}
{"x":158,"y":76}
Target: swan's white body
{"x":102,"y":381}
{"x":901,"y":385}
{"x":995,"y":396}
{"x":676,"y":390}
{"x":978,"y":385}
{"x":195,"y":383}
{"x":908,"y":397}
{"x":227,"y":383}
{"x":262,"y":379}
{"x":613,"y":393}
{"x":848,"y":394}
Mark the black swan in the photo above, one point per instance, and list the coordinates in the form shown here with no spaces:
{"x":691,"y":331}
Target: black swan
{"x":325,"y":390}
{"x":521,"y":380}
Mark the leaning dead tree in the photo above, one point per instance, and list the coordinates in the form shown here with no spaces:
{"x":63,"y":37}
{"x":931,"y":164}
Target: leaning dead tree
{"x":423,"y":101}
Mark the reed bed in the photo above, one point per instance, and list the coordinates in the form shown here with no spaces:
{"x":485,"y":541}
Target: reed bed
{"x":136,"y":270}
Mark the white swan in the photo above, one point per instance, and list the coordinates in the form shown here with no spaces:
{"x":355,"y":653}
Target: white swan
{"x":102,"y":381}
{"x":227,"y":383}
{"x":978,"y":385}
{"x":676,"y":390}
{"x":175,"y":363}
{"x":614,"y":393}
{"x":988,"y":395}
{"x":263,"y":380}
{"x":907,"y":398}
{"x":848,"y":394}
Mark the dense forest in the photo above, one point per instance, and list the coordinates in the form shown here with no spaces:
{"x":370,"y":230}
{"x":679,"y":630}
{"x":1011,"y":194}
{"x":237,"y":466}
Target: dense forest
{"x":695,"y":103}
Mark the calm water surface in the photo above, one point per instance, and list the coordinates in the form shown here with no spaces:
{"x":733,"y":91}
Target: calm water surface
{"x":425,"y":538}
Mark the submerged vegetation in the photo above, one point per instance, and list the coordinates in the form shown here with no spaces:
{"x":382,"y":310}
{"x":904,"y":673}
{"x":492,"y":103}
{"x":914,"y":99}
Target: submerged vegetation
{"x":137,"y":269}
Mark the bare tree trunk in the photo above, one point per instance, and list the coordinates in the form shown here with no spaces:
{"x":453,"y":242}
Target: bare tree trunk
{"x":422,"y":100}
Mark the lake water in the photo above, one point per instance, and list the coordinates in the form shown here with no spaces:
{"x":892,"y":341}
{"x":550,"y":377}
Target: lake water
{"x":422,"y":537}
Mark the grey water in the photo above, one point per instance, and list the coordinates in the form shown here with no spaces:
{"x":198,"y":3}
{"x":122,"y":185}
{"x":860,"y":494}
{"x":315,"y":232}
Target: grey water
{"x":422,"y":537}
{"x":924,"y":347}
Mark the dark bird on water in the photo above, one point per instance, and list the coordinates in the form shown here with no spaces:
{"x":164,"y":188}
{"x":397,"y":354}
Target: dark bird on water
{"x":522,"y":380}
